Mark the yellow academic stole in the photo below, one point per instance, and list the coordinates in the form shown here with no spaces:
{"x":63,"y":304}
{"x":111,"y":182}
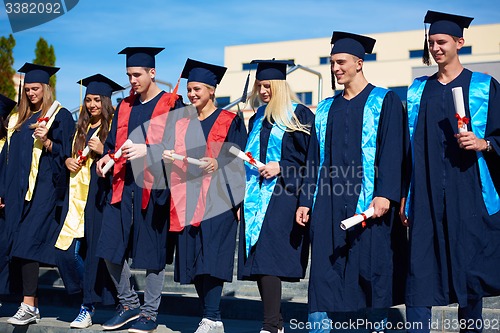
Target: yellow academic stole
{"x":79,"y":182}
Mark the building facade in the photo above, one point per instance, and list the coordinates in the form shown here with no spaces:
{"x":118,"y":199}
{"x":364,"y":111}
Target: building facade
{"x":395,"y":62}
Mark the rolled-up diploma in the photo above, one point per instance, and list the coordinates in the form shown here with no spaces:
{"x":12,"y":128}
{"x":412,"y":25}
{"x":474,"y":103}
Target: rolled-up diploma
{"x":458,"y":101}
{"x":49,"y":114}
{"x":111,"y":162}
{"x":84,"y":154}
{"x":240,"y":154}
{"x":356,"y":219}
{"x":190,"y":160}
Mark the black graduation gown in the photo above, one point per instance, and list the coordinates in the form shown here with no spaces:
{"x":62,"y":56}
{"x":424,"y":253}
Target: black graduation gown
{"x":97,"y":285}
{"x":283,"y":246}
{"x":209,"y":248}
{"x":454,"y":243}
{"x":33,"y":225}
{"x":354,"y":269}
{"x":127,"y":230}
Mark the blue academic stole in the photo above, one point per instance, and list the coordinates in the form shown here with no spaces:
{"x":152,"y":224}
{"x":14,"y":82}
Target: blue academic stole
{"x":257,"y":196}
{"x":479,"y":91}
{"x":371,"y":117}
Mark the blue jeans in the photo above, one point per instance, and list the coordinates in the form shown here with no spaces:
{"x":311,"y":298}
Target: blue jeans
{"x":120,"y":274}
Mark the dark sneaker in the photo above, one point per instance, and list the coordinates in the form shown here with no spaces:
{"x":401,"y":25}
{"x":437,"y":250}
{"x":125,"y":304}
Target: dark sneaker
{"x":123,"y":315}
{"x":143,"y":325}
{"x":24,"y":316}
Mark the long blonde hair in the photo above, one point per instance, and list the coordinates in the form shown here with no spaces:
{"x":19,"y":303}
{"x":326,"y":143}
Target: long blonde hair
{"x":25,"y":105}
{"x":280,"y":109}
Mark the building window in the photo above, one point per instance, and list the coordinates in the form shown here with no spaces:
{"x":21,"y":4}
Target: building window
{"x":401,"y":92}
{"x":371,"y":57}
{"x":416,"y":53}
{"x":223,"y":101}
{"x":305,"y":97}
{"x":465,"y":50}
{"x":248,"y":66}
{"x":324,"y":60}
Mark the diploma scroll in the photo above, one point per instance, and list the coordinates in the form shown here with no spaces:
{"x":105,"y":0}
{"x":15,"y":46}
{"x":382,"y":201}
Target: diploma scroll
{"x":111,"y":162}
{"x":83,"y":156}
{"x":458,"y":101}
{"x":48,"y":115}
{"x":240,"y":154}
{"x":189,"y":160}
{"x":356,"y":219}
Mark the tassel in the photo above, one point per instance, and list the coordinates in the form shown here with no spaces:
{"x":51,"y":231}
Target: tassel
{"x":244,"y":96}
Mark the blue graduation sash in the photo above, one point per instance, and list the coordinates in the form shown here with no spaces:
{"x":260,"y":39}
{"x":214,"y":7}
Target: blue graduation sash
{"x":371,"y":117}
{"x":257,"y":196}
{"x":479,"y":91}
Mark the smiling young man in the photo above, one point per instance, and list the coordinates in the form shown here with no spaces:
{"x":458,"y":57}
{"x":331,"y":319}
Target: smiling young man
{"x":453,"y":204}
{"x":135,"y":219}
{"x":357,"y":141}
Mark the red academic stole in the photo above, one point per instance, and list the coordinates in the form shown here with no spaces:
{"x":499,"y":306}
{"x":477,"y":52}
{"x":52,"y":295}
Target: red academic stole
{"x":215,"y":140}
{"x":154,"y":135}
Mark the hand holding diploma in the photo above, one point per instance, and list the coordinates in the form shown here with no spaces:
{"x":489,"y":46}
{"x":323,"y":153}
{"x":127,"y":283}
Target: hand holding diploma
{"x":115,"y":156}
{"x":189,"y":160}
{"x":43,"y":121}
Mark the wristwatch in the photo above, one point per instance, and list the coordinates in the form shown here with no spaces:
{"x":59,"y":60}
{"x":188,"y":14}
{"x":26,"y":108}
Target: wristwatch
{"x":488,"y":146}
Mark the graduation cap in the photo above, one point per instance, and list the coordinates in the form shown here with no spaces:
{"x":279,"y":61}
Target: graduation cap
{"x":197,"y":71}
{"x":271,"y":69}
{"x":357,"y":45}
{"x":6,"y":106}
{"x":37,"y":73}
{"x":98,"y":84}
{"x":141,"y":56}
{"x":443,"y":23}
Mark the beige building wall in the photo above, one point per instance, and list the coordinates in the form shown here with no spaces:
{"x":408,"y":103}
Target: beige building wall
{"x":393,"y":66}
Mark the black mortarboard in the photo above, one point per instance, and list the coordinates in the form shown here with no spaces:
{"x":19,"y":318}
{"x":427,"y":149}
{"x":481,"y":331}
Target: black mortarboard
{"x":6,"y":106}
{"x":98,"y":84}
{"x":197,"y":71}
{"x":141,"y":56}
{"x":37,"y":73}
{"x":272,"y":69}
{"x":442,"y":23}
{"x":357,"y":45}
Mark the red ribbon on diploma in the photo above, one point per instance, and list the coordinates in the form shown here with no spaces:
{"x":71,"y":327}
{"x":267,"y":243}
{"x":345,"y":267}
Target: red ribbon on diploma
{"x":46,"y":119}
{"x":461,"y":120}
{"x":81,"y":158}
{"x":363,"y":224}
{"x":252,"y":160}
{"x":112,"y":155}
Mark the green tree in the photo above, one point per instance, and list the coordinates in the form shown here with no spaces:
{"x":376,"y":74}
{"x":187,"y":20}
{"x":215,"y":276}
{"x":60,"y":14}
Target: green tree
{"x":7,"y":87}
{"x":45,"y":55}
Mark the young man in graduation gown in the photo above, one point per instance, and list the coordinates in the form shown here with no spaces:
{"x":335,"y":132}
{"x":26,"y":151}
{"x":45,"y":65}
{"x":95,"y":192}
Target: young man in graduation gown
{"x":357,"y":142}
{"x":453,"y":204}
{"x":135,"y":219}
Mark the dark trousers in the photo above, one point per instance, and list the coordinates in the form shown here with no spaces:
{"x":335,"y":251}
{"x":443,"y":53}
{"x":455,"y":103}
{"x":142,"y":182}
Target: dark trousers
{"x":209,"y":291}
{"x":270,"y":292}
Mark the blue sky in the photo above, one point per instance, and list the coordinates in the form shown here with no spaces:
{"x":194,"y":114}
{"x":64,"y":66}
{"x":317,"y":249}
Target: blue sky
{"x":88,"y":38}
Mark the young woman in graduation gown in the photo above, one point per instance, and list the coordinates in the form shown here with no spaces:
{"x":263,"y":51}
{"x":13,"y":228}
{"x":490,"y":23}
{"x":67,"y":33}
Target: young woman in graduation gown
{"x":6,"y":106}
{"x":272,"y":247}
{"x":203,"y":207}
{"x":79,"y":267}
{"x":34,"y":180}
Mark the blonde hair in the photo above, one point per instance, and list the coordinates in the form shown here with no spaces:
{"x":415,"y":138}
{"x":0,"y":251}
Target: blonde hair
{"x":25,"y":106}
{"x":280,"y":109}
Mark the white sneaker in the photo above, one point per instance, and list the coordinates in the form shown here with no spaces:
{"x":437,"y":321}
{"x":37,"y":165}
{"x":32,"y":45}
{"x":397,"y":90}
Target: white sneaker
{"x":84,"y":318}
{"x":24,"y":316}
{"x":210,"y":326}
